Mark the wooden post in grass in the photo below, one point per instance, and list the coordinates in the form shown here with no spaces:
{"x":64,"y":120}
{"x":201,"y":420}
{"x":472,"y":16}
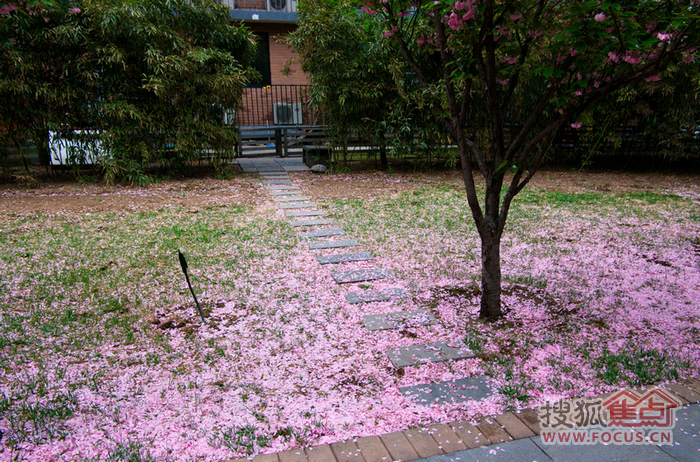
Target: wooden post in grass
{"x":183,"y":264}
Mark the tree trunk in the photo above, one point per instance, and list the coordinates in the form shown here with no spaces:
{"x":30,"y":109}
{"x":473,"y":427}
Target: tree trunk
{"x":41,"y":138}
{"x":490,"y":277}
{"x":382,"y":154}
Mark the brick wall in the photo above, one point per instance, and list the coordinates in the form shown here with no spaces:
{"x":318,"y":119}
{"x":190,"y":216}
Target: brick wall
{"x":280,"y":53}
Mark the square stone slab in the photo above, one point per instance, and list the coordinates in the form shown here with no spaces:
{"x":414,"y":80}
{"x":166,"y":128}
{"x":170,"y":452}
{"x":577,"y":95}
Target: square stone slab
{"x":305,"y":213}
{"x":280,"y":186}
{"x":430,"y":353}
{"x":296,"y":168}
{"x":275,"y":173}
{"x":399,"y":320}
{"x":323,"y":233}
{"x":311,"y":222}
{"x":277,"y":181}
{"x":332,"y":244}
{"x":373,"y":295}
{"x":514,"y":451}
{"x":344,"y":258}
{"x":285,"y":193}
{"x":291,"y":199}
{"x":451,"y":391}
{"x":360,"y":275}
{"x":297,"y":206}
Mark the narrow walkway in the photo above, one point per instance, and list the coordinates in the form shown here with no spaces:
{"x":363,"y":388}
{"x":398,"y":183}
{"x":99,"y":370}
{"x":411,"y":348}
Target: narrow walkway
{"x":513,"y":436}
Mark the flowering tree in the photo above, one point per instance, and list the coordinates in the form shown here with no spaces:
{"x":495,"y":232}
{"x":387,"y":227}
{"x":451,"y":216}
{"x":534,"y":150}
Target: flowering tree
{"x":510,"y":73}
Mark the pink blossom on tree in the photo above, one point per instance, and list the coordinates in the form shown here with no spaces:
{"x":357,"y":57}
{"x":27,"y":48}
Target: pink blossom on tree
{"x":538,"y":50}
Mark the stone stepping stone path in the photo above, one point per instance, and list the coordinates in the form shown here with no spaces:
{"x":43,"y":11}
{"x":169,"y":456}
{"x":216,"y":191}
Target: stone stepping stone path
{"x":345,"y":277}
{"x":280,"y":186}
{"x":431,"y":353}
{"x":297,"y":206}
{"x":278,"y":183}
{"x":305,"y":213}
{"x":369,"y":296}
{"x":285,"y":193}
{"x":311,"y":223}
{"x":344,"y":258}
{"x":398,"y":320}
{"x":451,"y":391}
{"x":332,"y":244}
{"x":323,"y":233}
{"x":291,"y":199}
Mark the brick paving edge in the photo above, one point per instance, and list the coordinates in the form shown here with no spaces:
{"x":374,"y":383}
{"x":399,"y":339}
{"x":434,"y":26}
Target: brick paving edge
{"x":434,"y":440}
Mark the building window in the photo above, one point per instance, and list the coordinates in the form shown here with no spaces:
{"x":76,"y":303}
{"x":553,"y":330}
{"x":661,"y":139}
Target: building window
{"x":262,"y":60}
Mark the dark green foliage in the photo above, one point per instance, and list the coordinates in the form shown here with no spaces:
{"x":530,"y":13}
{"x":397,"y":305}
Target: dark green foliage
{"x":153,"y":81}
{"x":358,"y":80}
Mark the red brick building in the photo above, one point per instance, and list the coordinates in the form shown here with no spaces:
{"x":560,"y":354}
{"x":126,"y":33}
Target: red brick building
{"x":278,"y":99}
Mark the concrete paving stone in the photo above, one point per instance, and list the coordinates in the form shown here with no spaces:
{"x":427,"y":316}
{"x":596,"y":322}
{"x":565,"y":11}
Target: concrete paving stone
{"x":347,"y":451}
{"x":297,"y":206}
{"x":602,"y":453}
{"x":266,"y":458}
{"x":293,"y":455}
{"x":422,"y":442}
{"x":470,"y":436}
{"x":514,"y":426}
{"x":398,"y":320}
{"x":530,"y":418}
{"x":305,"y":213}
{"x":446,"y":438}
{"x":296,"y":168}
{"x":277,"y":181}
{"x":373,"y":449}
{"x":374,"y":295}
{"x":344,"y":277}
{"x":280,"y":186}
{"x":431,"y":353}
{"x":332,"y":244}
{"x":515,"y":451}
{"x":323,"y":233}
{"x":688,"y":394}
{"x":450,"y":391}
{"x":291,"y":199}
{"x":311,"y":222}
{"x":398,"y":446}
{"x":274,"y":173}
{"x":493,"y":430}
{"x":686,"y":435}
{"x":285,"y":193}
{"x":344,"y":258}
{"x":322,"y":453}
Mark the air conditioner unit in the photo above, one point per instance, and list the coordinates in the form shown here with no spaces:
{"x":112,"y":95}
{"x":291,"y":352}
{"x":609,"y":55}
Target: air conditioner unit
{"x":287,"y":114}
{"x":277,"y":5}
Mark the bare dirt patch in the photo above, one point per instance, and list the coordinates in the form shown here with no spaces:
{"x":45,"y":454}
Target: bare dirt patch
{"x":73,"y":197}
{"x":245,"y":189}
{"x":363,"y":185}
